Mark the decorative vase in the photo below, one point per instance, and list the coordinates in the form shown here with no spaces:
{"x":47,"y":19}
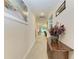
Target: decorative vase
{"x":54,"y":39}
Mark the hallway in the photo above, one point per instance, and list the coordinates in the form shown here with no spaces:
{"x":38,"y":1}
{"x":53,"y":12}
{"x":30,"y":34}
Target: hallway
{"x":26,"y":19}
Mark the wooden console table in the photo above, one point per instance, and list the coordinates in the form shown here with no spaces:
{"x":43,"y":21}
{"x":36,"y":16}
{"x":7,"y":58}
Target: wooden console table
{"x":60,"y":51}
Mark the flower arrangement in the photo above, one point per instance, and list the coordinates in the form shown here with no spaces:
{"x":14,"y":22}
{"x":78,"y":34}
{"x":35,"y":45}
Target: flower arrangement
{"x":56,"y":31}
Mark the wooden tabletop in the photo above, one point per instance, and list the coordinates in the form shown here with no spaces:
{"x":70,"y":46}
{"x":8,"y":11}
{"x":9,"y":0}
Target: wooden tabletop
{"x":60,"y":47}
{"x":60,"y":51}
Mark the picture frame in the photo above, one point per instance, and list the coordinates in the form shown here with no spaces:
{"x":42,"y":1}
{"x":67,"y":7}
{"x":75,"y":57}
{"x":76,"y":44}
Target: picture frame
{"x":61,"y":8}
{"x":10,"y":12}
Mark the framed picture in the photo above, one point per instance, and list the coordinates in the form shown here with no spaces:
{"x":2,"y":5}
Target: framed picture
{"x":12,"y":11}
{"x":61,"y":8}
{"x":8,"y":5}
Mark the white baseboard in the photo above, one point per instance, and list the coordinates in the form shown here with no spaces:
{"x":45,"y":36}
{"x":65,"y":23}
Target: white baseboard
{"x":28,"y":51}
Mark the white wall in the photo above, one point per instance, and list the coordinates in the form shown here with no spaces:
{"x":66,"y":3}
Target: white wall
{"x":67,"y":18}
{"x":19,"y":37}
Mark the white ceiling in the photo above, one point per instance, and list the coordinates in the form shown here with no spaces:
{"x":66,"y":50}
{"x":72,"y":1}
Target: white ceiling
{"x":38,"y":6}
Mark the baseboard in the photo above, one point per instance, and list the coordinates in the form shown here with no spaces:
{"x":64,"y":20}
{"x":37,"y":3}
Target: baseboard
{"x":28,"y":51}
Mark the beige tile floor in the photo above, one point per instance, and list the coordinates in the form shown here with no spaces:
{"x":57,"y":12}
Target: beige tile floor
{"x":39,"y":51}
